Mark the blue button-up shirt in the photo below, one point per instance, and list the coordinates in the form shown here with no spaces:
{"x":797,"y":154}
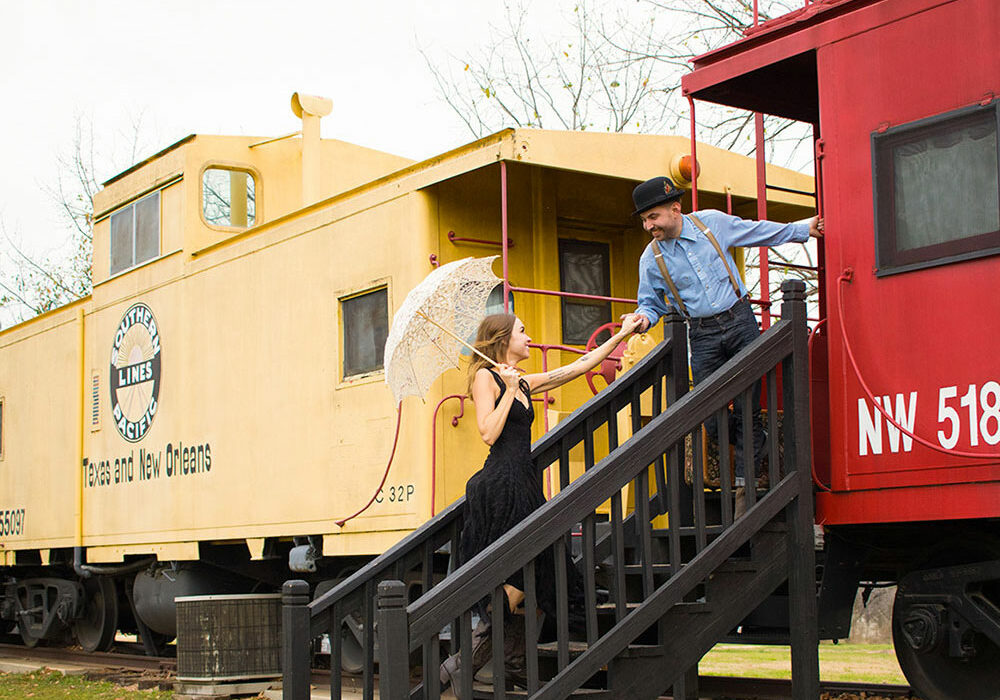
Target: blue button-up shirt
{"x":696,"y":267}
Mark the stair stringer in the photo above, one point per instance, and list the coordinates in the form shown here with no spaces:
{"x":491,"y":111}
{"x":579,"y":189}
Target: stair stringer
{"x":670,"y":594}
{"x":686,"y":636}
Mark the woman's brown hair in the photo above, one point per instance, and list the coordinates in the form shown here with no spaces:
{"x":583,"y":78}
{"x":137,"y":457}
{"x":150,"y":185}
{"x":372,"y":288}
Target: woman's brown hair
{"x":492,"y":340}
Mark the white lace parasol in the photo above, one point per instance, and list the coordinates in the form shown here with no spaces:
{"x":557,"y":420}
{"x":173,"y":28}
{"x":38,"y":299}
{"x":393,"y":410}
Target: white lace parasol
{"x":424,"y":339}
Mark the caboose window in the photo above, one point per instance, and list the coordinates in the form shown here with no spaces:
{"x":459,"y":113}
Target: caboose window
{"x":494,"y":305}
{"x":135,"y":233}
{"x":937,"y":192}
{"x":229,"y":197}
{"x":584,"y":268}
{"x":365,"y":319}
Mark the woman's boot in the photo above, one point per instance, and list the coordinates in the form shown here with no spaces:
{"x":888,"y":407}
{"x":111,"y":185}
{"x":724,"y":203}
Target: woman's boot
{"x":482,"y":649}
{"x":514,"y":646}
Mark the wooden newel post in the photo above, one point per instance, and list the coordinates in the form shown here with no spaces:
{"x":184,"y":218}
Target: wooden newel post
{"x":393,"y":642}
{"x":803,"y":622}
{"x":295,"y":640}
{"x":675,"y":331}
{"x":678,"y":384}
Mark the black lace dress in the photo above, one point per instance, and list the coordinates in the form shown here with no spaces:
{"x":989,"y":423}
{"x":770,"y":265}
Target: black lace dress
{"x":506,"y":491}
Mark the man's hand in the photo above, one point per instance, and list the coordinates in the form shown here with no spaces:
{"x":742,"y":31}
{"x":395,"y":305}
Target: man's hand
{"x":642,"y":323}
{"x":816,"y":227}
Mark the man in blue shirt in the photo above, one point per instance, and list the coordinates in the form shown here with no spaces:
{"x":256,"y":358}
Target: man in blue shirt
{"x":688,"y":265}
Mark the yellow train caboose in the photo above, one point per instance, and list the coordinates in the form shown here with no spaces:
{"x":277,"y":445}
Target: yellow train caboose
{"x":203,"y":420}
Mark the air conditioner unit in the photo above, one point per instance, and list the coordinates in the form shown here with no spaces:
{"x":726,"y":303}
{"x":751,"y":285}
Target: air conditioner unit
{"x":228,"y":637}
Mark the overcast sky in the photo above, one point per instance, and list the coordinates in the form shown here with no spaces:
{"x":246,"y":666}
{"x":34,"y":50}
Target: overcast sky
{"x":215,"y":67}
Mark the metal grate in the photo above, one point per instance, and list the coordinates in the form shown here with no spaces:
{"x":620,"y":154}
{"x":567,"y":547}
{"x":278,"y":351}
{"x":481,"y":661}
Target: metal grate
{"x":95,"y":401}
{"x":228,"y":637}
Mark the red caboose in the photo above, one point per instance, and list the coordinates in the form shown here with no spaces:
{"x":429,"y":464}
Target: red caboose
{"x":903,"y":99}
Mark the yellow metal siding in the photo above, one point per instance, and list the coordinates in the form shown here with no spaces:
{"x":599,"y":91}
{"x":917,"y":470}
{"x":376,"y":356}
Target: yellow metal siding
{"x":39,"y":380}
{"x":251,"y":339}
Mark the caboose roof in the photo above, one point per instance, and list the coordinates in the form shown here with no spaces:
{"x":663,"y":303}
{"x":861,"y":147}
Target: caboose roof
{"x":632,"y":157}
{"x":773,"y":68}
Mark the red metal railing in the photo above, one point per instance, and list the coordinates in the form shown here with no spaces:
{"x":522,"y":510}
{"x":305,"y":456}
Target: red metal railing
{"x":505,"y":243}
{"x":455,"y":238}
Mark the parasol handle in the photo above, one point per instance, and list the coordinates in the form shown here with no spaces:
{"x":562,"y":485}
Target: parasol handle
{"x":422,"y":315}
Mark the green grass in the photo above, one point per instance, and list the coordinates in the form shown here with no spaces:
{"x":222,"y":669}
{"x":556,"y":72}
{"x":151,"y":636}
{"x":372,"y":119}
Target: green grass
{"x":860,"y":663}
{"x":51,"y":685}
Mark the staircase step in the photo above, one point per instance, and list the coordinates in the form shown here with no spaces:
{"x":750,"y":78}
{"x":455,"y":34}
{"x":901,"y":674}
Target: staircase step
{"x":736,"y":588}
{"x":694,"y":606}
{"x":482,"y":691}
{"x":686,"y":531}
{"x":735,"y":566}
{"x":658,"y":569}
{"x":577,"y":648}
{"x":609,"y":608}
{"x":552,"y":648}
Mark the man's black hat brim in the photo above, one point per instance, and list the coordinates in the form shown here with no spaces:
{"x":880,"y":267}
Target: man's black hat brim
{"x":654,"y":192}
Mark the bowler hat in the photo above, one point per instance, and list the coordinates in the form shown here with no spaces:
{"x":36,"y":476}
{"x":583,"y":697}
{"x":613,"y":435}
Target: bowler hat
{"x":659,"y":190}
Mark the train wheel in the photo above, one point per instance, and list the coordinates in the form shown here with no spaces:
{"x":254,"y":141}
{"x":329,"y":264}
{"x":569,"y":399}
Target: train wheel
{"x":29,"y":640}
{"x":352,"y":655}
{"x":933,"y":673}
{"x":96,"y":629}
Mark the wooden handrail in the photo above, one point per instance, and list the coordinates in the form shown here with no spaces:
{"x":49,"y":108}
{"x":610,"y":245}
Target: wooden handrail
{"x":660,"y":446}
{"x":477,"y":577}
{"x":698,"y":569}
{"x":614,"y":395}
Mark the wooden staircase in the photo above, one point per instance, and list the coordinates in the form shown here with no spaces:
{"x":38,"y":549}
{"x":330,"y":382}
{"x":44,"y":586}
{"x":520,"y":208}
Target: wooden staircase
{"x":655,"y":599}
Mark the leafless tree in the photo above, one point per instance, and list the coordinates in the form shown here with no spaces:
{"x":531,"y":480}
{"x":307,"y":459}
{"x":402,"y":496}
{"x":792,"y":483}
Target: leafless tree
{"x":605,"y":68}
{"x":32,"y":283}
{"x":578,"y":81}
{"x":613,"y":69}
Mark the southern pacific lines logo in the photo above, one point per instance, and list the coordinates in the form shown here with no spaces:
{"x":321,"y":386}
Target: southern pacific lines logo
{"x":135,"y":372}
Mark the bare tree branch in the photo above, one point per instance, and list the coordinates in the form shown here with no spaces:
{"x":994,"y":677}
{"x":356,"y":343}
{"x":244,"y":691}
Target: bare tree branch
{"x":31,"y":283}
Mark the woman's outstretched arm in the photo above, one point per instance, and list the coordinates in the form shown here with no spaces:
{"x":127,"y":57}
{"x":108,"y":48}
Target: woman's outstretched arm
{"x":491,"y":415}
{"x":544,"y":381}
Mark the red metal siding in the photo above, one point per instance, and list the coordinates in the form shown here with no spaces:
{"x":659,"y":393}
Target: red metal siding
{"x":916,"y":331}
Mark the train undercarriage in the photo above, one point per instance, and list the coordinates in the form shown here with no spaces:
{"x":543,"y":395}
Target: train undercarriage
{"x":945,"y":621}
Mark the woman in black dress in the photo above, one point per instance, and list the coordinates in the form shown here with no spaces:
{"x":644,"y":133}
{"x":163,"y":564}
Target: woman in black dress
{"x":509,"y":488}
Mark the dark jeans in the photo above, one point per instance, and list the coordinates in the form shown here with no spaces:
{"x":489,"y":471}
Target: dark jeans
{"x":715,"y":340}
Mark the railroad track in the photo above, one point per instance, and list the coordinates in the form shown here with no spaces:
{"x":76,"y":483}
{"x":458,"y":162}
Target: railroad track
{"x":128,"y":657}
{"x":128,"y":666}
{"x":781,"y":689}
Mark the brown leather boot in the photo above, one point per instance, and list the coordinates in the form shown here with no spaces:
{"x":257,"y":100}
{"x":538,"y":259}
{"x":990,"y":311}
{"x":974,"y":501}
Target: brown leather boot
{"x":451,"y":669}
{"x":514,"y":647}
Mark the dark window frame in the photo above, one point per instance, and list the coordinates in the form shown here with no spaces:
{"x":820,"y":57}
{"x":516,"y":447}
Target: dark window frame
{"x":360,"y":371}
{"x":889,"y":260}
{"x":583,"y":246}
{"x":130,"y":211}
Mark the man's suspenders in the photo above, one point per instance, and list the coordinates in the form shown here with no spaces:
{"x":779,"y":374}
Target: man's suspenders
{"x":666,"y":275}
{"x":666,"y":278}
